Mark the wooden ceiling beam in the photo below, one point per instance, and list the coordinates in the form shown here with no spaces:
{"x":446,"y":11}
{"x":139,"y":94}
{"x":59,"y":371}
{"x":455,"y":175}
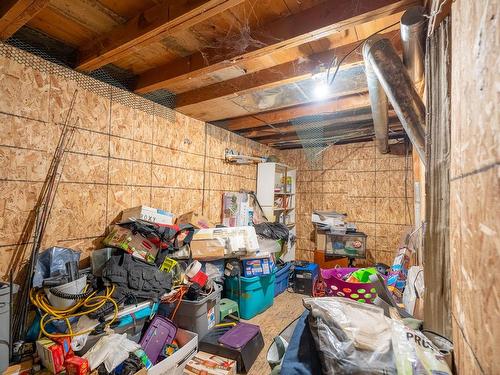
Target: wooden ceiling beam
{"x":351,"y":117}
{"x":14,"y":14}
{"x":147,"y":27}
{"x":312,"y":24}
{"x":342,"y":130}
{"x":344,"y":103}
{"x":278,"y":75}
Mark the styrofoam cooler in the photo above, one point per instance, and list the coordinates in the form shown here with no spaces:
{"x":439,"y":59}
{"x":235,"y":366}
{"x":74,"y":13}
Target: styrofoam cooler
{"x":200,"y":316}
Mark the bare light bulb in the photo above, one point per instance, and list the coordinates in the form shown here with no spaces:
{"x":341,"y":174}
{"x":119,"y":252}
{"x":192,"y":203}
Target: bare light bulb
{"x":321,"y":90}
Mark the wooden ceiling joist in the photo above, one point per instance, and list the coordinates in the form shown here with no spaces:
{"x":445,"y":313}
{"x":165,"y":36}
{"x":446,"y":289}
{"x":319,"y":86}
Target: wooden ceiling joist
{"x":345,"y":103}
{"x":278,"y":75}
{"x":14,"y":14}
{"x":309,"y":25}
{"x":148,"y":27}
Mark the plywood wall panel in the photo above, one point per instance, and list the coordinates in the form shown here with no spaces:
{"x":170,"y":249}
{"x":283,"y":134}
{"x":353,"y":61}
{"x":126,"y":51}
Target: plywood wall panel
{"x":357,"y":180}
{"x":474,"y":186}
{"x":127,"y":151}
{"x":24,"y":92}
{"x":24,"y":133}
{"x":17,"y":199}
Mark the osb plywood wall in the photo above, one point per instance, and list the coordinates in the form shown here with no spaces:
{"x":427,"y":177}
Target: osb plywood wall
{"x":474,"y":194}
{"x":355,"y":179}
{"x":123,"y":155}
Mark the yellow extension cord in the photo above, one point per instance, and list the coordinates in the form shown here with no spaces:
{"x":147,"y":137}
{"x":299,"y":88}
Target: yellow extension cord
{"x":94,"y":302}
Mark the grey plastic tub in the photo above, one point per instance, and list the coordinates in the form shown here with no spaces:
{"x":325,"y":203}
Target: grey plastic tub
{"x":200,"y":316}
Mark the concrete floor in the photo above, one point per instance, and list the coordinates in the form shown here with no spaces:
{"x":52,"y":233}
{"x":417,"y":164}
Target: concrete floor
{"x":286,"y":308}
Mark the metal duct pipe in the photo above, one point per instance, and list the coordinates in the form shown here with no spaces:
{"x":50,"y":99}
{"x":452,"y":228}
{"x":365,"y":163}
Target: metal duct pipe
{"x":379,"y":105}
{"x":399,"y":88}
{"x":413,"y":33}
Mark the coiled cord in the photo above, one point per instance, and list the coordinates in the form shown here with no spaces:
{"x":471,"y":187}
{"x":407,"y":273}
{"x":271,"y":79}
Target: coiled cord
{"x":92,"y":302}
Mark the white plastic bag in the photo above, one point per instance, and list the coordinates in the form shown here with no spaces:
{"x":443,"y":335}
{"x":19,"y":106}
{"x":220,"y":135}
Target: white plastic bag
{"x":112,"y":350}
{"x":415,"y":354}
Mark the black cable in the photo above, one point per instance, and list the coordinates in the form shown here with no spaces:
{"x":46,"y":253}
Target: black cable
{"x":64,"y":295}
{"x":349,"y":53}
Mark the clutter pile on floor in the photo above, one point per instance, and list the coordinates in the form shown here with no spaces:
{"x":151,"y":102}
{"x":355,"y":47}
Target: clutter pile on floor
{"x":152,"y":299}
{"x":151,"y":303}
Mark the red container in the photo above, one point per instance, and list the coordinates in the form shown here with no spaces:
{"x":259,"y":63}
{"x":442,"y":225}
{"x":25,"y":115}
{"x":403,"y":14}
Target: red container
{"x":76,"y":366}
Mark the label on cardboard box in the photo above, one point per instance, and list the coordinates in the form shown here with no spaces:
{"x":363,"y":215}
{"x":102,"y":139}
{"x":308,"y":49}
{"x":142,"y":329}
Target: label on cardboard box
{"x":210,"y":364}
{"x":146,"y":213}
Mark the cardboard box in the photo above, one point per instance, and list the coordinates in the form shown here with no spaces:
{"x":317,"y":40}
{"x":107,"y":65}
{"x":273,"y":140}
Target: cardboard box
{"x":51,"y":354}
{"x":320,"y":240}
{"x":236,"y":240}
{"x":23,"y":368}
{"x":211,"y":249}
{"x":134,"y":244}
{"x":210,"y":364}
{"x":257,"y":266}
{"x":196,"y":220}
{"x":146,"y":213}
{"x":174,"y":365}
{"x":76,"y":366}
{"x":237,"y":210}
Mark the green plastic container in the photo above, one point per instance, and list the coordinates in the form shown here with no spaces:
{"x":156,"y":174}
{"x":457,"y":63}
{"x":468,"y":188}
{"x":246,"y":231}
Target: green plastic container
{"x":256,"y":296}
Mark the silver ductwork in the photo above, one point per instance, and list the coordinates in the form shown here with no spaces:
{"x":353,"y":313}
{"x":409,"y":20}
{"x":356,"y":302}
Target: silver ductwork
{"x":399,"y":88}
{"x":378,"y":103}
{"x":413,"y":33}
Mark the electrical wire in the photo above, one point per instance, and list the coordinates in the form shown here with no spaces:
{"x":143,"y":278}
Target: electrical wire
{"x":92,"y":303}
{"x":339,"y":62}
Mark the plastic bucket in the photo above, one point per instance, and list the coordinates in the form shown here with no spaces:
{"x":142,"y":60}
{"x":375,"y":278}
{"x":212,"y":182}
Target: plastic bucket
{"x":74,"y":287}
{"x":199,"y":316}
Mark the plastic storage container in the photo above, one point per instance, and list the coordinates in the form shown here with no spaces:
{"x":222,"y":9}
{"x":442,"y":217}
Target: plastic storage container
{"x":282,"y":276}
{"x":336,"y":287}
{"x":253,"y":294}
{"x":161,"y":331}
{"x":200,"y":316}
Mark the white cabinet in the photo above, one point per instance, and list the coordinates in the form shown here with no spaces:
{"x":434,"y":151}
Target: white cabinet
{"x":276,"y":194}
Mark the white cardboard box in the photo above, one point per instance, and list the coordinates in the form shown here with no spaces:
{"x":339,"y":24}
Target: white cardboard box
{"x":154,"y":215}
{"x":234,"y":239}
{"x":174,"y":365}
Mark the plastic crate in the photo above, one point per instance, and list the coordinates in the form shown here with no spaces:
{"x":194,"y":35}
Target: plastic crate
{"x":254,"y":294}
{"x":199,"y":316}
{"x":282,"y":277}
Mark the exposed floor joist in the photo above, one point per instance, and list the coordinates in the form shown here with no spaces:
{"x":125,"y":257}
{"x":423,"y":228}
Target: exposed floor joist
{"x":289,"y":72}
{"x":148,"y":27}
{"x":361,"y":114}
{"x":309,"y":25}
{"x":346,"y":103}
{"x":311,"y":131}
{"x":14,"y":14}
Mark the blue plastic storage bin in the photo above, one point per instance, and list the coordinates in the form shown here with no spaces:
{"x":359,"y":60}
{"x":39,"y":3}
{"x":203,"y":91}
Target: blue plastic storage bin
{"x":257,"y":294}
{"x":282,"y":276}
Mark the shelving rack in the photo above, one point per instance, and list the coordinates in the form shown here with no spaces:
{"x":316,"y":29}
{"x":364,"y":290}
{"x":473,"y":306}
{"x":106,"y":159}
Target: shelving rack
{"x":276,"y":194}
